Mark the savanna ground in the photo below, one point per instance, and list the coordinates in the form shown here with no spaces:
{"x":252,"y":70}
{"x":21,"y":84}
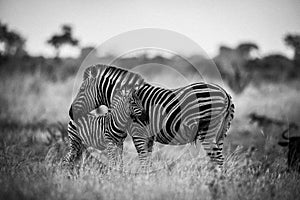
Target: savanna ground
{"x":34,"y":114}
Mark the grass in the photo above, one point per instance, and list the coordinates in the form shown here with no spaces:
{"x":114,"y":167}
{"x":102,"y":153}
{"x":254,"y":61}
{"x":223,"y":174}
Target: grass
{"x":26,"y":173}
{"x":31,"y":98}
{"x":255,"y":164}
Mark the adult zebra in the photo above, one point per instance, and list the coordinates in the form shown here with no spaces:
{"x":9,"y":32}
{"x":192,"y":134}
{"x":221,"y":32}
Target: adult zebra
{"x":197,"y":112}
{"x":108,"y":131}
{"x":100,"y":86}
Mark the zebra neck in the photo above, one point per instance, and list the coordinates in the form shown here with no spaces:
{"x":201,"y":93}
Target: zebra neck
{"x":119,"y":122}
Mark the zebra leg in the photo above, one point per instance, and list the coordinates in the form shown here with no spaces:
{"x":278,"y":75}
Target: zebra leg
{"x":72,"y":156}
{"x":212,"y":138}
{"x":214,"y":151}
{"x":120,"y":155}
{"x":212,"y":148}
{"x":144,"y":147}
{"x":115,"y":155}
{"x":75,"y":148}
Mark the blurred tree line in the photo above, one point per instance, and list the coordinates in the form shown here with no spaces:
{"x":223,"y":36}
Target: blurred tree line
{"x":293,"y":41}
{"x":238,"y":66}
{"x":11,"y":42}
{"x":66,"y":37}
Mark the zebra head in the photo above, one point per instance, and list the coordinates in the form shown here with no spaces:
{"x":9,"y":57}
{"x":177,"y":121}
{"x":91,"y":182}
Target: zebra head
{"x":137,"y":111}
{"x":85,"y":100}
{"x":132,"y":105}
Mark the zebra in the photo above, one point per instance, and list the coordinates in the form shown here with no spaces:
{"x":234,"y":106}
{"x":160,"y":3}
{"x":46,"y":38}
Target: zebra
{"x":100,"y":85}
{"x":197,"y":112}
{"x":108,"y":131}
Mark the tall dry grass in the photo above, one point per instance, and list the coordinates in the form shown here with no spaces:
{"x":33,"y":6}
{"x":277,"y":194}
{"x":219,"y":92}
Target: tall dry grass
{"x":32,"y":98}
{"x":256,"y":166}
{"x":25,"y":174}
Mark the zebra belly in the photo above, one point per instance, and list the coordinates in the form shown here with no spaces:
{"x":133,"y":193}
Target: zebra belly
{"x":98,"y":147}
{"x":184,"y":135}
{"x":97,"y":143}
{"x":176,"y":140}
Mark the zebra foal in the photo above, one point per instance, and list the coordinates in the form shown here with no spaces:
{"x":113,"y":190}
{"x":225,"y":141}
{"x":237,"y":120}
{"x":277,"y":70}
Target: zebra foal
{"x":106,"y":132}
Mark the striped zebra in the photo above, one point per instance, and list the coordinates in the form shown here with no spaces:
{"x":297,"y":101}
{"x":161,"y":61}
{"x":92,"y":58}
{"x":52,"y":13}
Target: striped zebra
{"x":100,"y":86}
{"x":198,"y":112}
{"x":108,"y":131}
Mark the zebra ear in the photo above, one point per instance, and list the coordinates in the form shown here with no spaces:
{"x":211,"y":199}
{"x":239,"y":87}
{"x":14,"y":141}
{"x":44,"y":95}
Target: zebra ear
{"x":90,"y":72}
{"x":126,"y":91}
{"x":138,"y":84}
{"x":121,"y":91}
{"x":134,"y":95}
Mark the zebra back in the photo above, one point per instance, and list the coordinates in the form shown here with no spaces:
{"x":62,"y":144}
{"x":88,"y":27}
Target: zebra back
{"x":181,"y":114}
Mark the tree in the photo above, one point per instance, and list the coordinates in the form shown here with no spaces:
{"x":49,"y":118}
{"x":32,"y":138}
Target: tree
{"x":245,"y":49}
{"x":231,"y":64}
{"x":293,"y":40}
{"x":66,"y":37}
{"x":13,"y":42}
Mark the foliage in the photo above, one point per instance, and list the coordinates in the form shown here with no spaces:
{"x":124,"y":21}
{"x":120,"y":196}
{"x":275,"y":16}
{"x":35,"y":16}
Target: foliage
{"x":66,"y":37}
{"x":245,"y":48}
{"x":12,"y":41}
{"x":239,"y":68}
{"x":292,"y":40}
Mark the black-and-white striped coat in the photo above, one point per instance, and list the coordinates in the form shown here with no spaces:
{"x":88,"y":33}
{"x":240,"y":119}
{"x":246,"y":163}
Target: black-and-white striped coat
{"x":108,"y":131}
{"x":100,"y":86}
{"x":197,"y":112}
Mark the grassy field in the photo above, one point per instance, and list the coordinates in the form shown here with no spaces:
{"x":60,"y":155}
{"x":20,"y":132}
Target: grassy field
{"x":31,"y":107}
{"x":26,"y":174}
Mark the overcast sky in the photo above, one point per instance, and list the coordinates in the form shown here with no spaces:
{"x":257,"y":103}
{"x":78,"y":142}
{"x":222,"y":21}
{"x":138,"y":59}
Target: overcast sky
{"x":210,"y":23}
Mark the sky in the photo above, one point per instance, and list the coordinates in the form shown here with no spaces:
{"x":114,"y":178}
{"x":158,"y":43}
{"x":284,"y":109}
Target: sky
{"x":209,"y":23}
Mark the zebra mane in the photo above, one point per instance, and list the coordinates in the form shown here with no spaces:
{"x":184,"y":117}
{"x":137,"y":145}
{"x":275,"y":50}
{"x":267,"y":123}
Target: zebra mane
{"x":111,"y":79}
{"x":128,"y":79}
{"x":94,"y":71}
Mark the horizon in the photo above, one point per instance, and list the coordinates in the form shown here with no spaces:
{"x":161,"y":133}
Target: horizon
{"x":261,"y":22}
